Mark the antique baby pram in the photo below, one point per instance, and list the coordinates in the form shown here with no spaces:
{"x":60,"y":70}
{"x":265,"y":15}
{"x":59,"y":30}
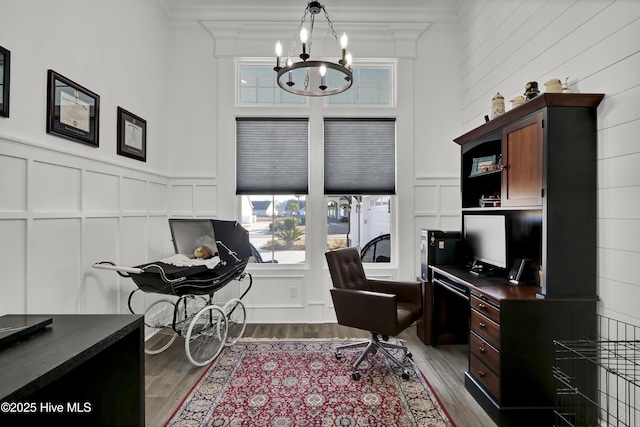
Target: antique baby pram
{"x":205,"y":326}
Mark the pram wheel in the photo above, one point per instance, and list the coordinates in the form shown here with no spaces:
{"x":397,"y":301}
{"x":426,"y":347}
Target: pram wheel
{"x":237,"y":320}
{"x":206,"y":335}
{"x":158,"y":320}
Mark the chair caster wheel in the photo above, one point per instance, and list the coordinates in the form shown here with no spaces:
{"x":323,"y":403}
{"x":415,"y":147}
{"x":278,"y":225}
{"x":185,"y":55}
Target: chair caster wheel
{"x":355,"y":376}
{"x":405,"y":375}
{"x":338,"y":355}
{"x":409,"y":355}
{"x":385,"y":338}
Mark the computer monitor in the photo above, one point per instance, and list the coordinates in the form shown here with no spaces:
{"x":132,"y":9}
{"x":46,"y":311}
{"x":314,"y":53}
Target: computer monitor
{"x":486,"y":239}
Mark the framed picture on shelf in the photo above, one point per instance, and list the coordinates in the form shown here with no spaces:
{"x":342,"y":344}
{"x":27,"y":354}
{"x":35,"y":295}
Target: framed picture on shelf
{"x":5,"y":73}
{"x":73,"y":112}
{"x":482,"y":165}
{"x":132,"y":135}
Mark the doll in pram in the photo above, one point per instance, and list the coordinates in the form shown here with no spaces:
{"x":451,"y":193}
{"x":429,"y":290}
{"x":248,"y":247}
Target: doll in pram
{"x":206,"y":326}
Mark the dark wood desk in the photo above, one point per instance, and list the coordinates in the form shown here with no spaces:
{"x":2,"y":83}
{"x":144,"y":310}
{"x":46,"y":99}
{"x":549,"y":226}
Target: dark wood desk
{"x":510,"y":332}
{"x":80,"y":370}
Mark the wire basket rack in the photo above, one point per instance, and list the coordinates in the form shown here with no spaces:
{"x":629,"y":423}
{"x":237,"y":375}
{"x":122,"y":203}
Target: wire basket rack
{"x":598,"y":378}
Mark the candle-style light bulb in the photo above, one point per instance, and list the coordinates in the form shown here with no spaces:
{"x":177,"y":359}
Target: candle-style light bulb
{"x":348,"y":64}
{"x":303,"y":38}
{"x":343,"y":41}
{"x":289,"y":64}
{"x":278,"y":55}
{"x":323,"y":72}
{"x":343,"y":46}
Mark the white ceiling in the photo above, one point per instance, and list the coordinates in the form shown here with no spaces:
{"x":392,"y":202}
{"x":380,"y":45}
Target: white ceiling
{"x":340,"y":11}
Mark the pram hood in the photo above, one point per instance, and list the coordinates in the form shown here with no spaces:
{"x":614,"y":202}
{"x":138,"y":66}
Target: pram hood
{"x":231,"y":240}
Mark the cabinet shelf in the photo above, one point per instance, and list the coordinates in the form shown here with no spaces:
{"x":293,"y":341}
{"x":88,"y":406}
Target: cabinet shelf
{"x":478,"y":175}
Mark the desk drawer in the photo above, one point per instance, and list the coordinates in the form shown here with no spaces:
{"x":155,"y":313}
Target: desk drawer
{"x":485,"y":352}
{"x":486,"y":328}
{"x":484,"y":375}
{"x":485,"y":308}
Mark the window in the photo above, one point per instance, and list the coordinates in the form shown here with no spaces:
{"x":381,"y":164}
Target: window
{"x":359,"y":181}
{"x":276,"y":226}
{"x":363,"y":221}
{"x":372,"y":87}
{"x":272,"y":155}
{"x":258,"y":88}
{"x":359,"y":156}
{"x":272,"y":178}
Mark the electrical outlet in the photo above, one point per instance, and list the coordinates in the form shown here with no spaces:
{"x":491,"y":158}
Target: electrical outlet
{"x":293,"y":292}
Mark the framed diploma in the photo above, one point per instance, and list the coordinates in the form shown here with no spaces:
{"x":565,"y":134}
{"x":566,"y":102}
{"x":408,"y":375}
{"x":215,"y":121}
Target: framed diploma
{"x":132,"y":135}
{"x":5,"y":72}
{"x":73,"y":112}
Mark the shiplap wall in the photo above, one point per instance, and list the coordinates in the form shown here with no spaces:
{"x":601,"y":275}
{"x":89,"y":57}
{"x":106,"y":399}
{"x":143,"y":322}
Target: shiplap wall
{"x":596,"y":43}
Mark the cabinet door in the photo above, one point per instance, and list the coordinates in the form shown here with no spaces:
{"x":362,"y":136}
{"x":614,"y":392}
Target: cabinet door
{"x":522,"y":158}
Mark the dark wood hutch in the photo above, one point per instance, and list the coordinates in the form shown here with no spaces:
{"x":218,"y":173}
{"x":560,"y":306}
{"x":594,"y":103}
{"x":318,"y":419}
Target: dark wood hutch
{"x":547,"y":192}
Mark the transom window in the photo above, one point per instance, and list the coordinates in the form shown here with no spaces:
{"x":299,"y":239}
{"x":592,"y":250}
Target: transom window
{"x":372,"y":87}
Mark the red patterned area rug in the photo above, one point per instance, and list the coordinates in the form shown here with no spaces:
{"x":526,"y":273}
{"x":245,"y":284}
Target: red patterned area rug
{"x":282,"y":383}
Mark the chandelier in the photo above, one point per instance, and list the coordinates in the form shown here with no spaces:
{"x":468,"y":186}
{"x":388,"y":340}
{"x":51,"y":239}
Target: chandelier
{"x":309,"y":77}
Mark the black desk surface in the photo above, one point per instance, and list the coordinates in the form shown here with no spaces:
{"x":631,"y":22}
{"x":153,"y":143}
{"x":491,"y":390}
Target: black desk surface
{"x":493,"y":286}
{"x":27,"y":366}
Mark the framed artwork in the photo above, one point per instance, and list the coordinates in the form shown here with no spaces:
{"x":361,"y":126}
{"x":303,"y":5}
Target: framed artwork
{"x":5,"y":73}
{"x":482,"y":165}
{"x":73,"y":112}
{"x":132,"y":135}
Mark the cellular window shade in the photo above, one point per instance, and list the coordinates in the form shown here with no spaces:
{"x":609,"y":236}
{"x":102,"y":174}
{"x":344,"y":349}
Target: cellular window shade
{"x":272,"y":156}
{"x":359,"y":156}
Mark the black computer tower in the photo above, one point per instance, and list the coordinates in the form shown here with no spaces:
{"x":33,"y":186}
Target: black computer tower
{"x":438,"y":248}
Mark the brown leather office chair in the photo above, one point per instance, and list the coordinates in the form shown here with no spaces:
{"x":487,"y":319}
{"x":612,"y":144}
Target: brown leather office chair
{"x":382,"y":307}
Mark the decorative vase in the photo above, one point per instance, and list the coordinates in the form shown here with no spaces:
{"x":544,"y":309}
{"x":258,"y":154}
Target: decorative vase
{"x":497,"y":106}
{"x":553,"y":86}
{"x":518,"y":100}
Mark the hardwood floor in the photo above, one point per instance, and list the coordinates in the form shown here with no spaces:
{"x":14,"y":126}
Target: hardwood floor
{"x":169,"y":375}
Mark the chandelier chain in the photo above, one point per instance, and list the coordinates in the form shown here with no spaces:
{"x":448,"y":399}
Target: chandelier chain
{"x":295,"y":38}
{"x":326,"y":15}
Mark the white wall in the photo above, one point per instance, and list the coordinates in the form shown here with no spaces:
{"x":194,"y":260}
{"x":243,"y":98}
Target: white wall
{"x":65,"y":205}
{"x":596,"y":43}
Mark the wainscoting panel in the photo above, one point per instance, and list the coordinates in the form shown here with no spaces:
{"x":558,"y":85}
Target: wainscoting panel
{"x":276,"y":292}
{"x":13,"y":252}
{"x":206,"y":199}
{"x":157,"y":194}
{"x":182,"y":199}
{"x":57,"y":188}
{"x":13,"y":184}
{"x":100,"y":192}
{"x":159,"y":243}
{"x":437,"y":207}
{"x":99,"y":293}
{"x":133,"y":195}
{"x":54,"y":263}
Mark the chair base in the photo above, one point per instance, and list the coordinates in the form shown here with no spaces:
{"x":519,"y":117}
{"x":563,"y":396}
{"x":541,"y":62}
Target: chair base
{"x":371,"y":347}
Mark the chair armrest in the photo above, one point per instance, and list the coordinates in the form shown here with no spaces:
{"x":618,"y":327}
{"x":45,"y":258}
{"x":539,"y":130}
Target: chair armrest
{"x":371,"y":311}
{"x":405,"y":291}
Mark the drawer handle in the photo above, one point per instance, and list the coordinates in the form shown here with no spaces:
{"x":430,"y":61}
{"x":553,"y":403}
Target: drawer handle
{"x":481,"y":373}
{"x":482,"y":325}
{"x":481,"y":306}
{"x":481,"y":348}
